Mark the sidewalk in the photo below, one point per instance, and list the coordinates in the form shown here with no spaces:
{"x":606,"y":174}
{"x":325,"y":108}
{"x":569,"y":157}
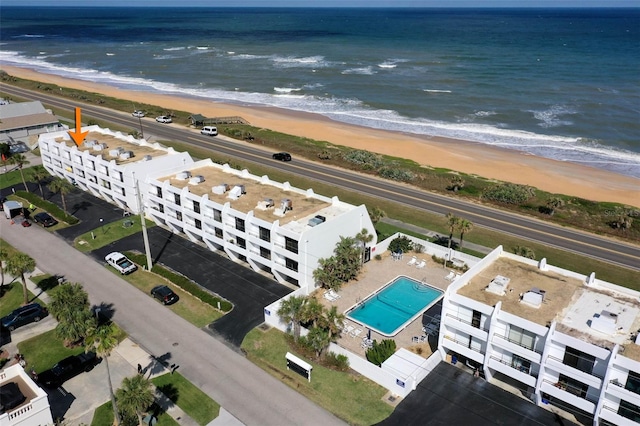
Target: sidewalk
{"x":127,"y":350}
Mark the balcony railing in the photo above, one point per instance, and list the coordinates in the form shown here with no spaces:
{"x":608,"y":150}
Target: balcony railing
{"x":522,"y":345}
{"x":561,"y":361}
{"x":521,"y":369}
{"x":465,"y":344}
{"x":469,"y":323}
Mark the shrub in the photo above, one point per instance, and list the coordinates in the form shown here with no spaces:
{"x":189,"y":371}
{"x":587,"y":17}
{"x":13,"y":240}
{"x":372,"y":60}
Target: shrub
{"x":184,"y":283}
{"x":336,"y":362}
{"x":380,"y":352}
{"x":398,"y":174}
{"x":509,"y":193}
{"x":365,"y":159}
{"x":402,"y":244}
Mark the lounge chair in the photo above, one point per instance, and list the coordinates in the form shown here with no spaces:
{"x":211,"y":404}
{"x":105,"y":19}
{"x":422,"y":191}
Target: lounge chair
{"x":355,"y":333}
{"x":416,"y":339}
{"x":450,"y":276}
{"x":333,"y":294}
{"x":329,"y":297}
{"x":412,"y":261}
{"x":348,"y":329}
{"x":422,"y":264}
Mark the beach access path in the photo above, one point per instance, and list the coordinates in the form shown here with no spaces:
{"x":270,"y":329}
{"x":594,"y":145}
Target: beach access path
{"x":243,"y":389}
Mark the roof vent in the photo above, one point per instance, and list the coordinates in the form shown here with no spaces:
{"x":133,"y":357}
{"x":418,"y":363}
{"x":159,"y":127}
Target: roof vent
{"x":317,"y":220}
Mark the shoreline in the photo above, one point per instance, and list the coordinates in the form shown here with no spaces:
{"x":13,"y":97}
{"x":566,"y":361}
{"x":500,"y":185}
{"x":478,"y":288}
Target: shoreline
{"x":458,"y":155}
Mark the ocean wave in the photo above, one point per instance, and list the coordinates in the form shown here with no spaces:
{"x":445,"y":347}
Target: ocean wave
{"x":387,"y":65}
{"x":173,"y":49}
{"x":353,"y":111}
{"x":292,"y":61}
{"x":29,"y":36}
{"x":436,"y":91}
{"x":363,"y":71}
{"x":551,"y":117}
{"x":110,"y":54}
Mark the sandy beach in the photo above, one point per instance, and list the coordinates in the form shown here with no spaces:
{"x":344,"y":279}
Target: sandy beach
{"x":473,"y":158}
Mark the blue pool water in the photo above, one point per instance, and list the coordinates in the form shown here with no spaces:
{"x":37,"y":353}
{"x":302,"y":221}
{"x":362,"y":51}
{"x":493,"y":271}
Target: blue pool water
{"x":398,"y":303}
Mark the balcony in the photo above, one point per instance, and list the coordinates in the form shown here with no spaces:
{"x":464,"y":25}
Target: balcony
{"x":463,"y":348}
{"x":610,"y":414}
{"x":587,"y":378}
{"x":467,"y":327}
{"x":619,"y":390}
{"x":517,"y":348}
{"x":562,"y":393}
{"x":509,"y":370}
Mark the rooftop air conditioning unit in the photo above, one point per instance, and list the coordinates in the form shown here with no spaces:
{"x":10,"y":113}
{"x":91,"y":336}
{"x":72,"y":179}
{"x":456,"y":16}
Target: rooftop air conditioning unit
{"x":268,"y":202}
{"x":196,"y":180}
{"x":242,"y":188}
{"x":126,"y":155}
{"x":286,"y":204}
{"x":116,"y":152}
{"x":183,"y":175}
{"x":146,"y":158}
{"x":100,"y":147}
{"x":90,"y":144}
{"x":317,"y":220}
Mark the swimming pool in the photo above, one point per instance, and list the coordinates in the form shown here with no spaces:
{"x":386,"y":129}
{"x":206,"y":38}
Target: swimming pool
{"x":391,"y":308}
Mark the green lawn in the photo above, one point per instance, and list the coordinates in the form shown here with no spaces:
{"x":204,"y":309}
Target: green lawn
{"x":111,"y":232}
{"x":43,"y":351}
{"x":189,"y":398}
{"x":11,"y":178}
{"x":188,"y":307}
{"x":350,"y":396}
{"x":12,"y":298}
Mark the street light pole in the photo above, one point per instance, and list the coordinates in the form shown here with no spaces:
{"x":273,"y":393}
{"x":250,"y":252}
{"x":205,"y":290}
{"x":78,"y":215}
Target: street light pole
{"x":145,"y":236}
{"x":102,"y":225}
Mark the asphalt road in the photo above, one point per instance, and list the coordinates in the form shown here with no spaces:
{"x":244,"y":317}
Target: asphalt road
{"x":249,"y":393}
{"x":590,"y":245}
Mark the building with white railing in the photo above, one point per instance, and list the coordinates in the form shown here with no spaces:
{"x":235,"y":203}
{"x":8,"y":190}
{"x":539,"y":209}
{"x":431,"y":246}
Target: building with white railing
{"x":556,"y":336}
{"x":34,"y":410}
{"x":272,"y":226}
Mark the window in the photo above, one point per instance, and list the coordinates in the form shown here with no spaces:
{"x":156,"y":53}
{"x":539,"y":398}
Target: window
{"x":633,"y":382}
{"x":266,"y":253}
{"x":573,"y":386}
{"x":521,"y":337}
{"x":198,"y":223}
{"x":265,"y":234}
{"x":124,"y":193}
{"x":241,"y":242}
{"x":179,"y":216}
{"x":106,"y":184}
{"x":159,"y":191}
{"x":121,"y":176}
{"x":92,"y":165}
{"x":475,"y":319}
{"x":196,"y":207}
{"x":291,"y":264}
{"x":217,"y":215}
{"x":218,"y":232}
{"x":521,"y":364}
{"x":629,"y":410}
{"x":578,"y":360}
{"x":161,"y":208}
{"x":177,"y":199}
{"x":239,"y":224}
{"x":291,"y":244}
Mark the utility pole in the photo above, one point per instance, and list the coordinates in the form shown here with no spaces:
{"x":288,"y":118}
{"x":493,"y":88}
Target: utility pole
{"x":143,"y":221}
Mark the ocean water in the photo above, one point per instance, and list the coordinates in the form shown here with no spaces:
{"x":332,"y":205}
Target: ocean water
{"x":557,"y":83}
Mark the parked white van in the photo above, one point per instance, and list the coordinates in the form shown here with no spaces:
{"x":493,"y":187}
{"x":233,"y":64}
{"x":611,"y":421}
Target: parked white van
{"x":209,"y":131}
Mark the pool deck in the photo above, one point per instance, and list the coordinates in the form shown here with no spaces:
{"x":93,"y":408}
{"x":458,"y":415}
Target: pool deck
{"x":376,"y":274}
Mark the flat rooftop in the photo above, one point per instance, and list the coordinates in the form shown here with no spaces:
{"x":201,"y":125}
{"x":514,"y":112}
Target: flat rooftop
{"x":112,"y":143}
{"x":303,"y":207}
{"x":559,"y":290}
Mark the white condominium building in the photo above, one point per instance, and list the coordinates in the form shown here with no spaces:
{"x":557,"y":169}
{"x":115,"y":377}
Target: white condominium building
{"x":273,"y":227}
{"x":551,"y":335}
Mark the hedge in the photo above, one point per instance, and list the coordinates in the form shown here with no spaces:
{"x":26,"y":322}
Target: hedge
{"x":183,"y":282}
{"x":53,"y":209}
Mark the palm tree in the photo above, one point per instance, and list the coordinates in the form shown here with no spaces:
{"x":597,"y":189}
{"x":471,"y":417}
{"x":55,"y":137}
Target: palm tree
{"x":70,"y":306}
{"x":318,"y":339}
{"x":333,"y":322}
{"x":20,"y":161}
{"x":62,"y":186}
{"x":102,"y":339}
{"x":292,"y":310}
{"x":376,"y":214}
{"x":4,"y":255}
{"x":452,"y":223}
{"x":38,"y":174}
{"x":312,"y":312}
{"x":524,"y":252}
{"x":135,"y":395}
{"x":363,"y":237}
{"x":464,"y":226}
{"x":18,"y":264}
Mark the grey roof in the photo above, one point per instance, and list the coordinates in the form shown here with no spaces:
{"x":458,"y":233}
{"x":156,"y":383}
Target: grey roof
{"x":24,"y":115}
{"x":21,"y":109}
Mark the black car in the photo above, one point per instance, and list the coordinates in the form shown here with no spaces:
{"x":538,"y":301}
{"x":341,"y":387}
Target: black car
{"x":67,"y":369}
{"x":24,"y":315}
{"x":164,"y":294}
{"x":45,"y":219}
{"x":10,"y":397}
{"x":282,"y":156}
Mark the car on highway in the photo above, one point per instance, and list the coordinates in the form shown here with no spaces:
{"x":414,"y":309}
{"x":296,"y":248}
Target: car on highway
{"x":121,"y":263}
{"x":209,"y":131}
{"x":281,"y":156}
{"x":68,"y":368}
{"x":138,"y":113}
{"x":164,"y":294}
{"x":24,"y":315}
{"x":45,"y":219}
{"x":163,"y":119}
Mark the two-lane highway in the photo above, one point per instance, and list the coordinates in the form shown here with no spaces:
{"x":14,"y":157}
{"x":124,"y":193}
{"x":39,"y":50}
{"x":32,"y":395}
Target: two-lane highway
{"x":532,"y":229}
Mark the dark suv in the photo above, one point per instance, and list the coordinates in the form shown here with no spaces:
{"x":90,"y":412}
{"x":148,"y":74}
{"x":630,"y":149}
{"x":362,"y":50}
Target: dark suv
{"x":45,"y":219}
{"x":164,"y":294}
{"x":24,"y":315}
{"x":282,"y":156}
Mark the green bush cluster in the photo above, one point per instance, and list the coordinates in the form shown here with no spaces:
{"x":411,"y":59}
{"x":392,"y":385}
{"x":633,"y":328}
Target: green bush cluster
{"x":365,"y":159}
{"x":53,"y":209}
{"x":402,"y":243}
{"x":509,"y":193}
{"x":184,"y":283}
{"x":380,"y":352}
{"x":396,"y":173}
{"x":336,"y":362}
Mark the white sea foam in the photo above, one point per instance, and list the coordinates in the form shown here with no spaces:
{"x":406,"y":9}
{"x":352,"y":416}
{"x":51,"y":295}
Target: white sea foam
{"x":484,"y":113}
{"x":551,"y":117}
{"x":286,"y":89}
{"x":202,"y":47}
{"x":172,"y":49}
{"x":110,"y":54}
{"x":387,"y":65}
{"x":29,"y":36}
{"x":436,"y":91}
{"x":292,"y":61}
{"x":363,"y":71}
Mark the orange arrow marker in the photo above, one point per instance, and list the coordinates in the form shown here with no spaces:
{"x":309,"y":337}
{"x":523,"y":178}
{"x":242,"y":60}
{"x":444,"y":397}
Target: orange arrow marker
{"x":78,"y":136}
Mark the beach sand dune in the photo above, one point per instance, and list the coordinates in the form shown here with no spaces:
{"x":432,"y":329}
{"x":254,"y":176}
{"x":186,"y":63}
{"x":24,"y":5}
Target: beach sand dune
{"x":468,"y":157}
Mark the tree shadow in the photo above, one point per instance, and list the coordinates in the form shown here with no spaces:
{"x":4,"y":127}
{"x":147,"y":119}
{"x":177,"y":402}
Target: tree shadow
{"x":83,"y":205}
{"x":104,"y":312}
{"x":51,"y":282}
{"x":170,"y":391}
{"x":157,"y":364}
